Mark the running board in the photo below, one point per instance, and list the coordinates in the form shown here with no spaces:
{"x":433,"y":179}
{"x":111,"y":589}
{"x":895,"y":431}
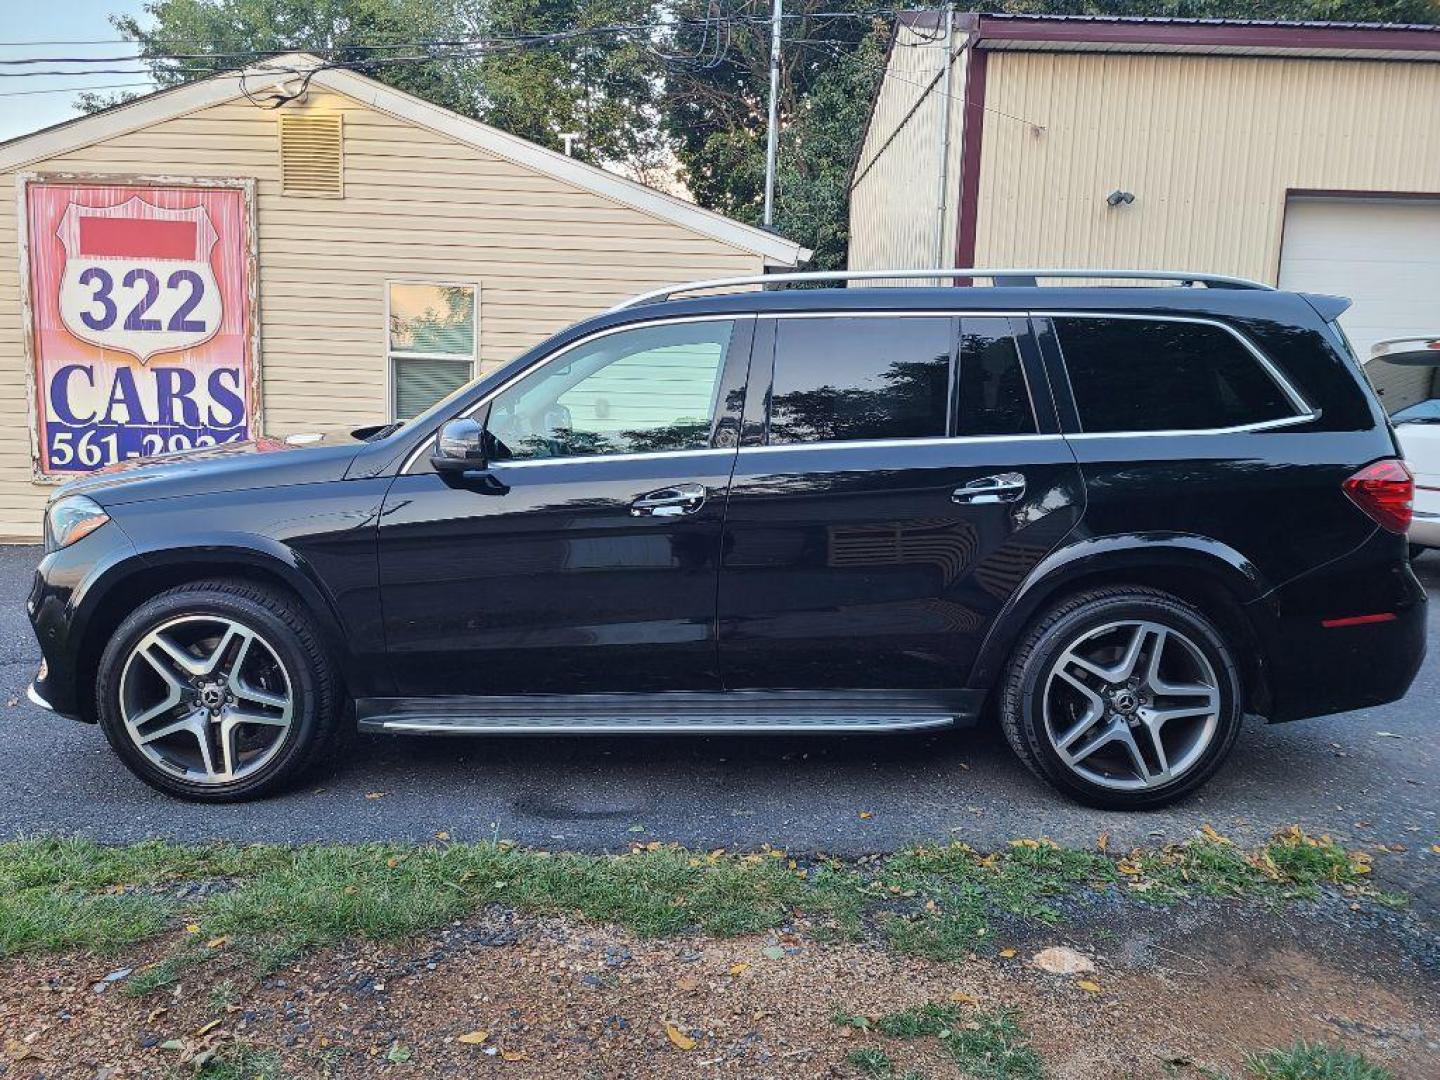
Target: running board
{"x":739,"y":712}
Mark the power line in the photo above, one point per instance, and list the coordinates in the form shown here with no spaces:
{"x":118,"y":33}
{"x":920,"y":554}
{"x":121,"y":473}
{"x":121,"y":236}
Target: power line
{"x":75,"y":89}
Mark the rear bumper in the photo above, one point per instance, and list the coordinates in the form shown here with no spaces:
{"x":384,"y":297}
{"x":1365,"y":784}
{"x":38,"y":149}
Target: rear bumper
{"x":1351,"y":635}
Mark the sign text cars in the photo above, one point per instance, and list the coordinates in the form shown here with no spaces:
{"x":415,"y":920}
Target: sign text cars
{"x":139,"y":300}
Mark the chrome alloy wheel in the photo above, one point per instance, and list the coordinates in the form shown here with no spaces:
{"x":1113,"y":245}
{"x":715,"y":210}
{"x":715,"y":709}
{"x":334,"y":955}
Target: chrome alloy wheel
{"x":206,"y":698}
{"x":1131,"y":705}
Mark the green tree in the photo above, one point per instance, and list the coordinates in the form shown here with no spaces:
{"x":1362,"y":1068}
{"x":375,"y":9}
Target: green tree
{"x":535,"y":68}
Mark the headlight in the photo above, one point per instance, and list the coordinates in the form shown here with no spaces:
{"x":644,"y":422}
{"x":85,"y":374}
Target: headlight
{"x":72,"y":518}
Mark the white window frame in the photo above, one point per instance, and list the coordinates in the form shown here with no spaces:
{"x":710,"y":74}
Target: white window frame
{"x":391,"y":354}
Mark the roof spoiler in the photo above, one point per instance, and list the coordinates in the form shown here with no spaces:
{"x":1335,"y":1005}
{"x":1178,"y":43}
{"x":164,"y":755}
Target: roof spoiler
{"x":1329,"y":307}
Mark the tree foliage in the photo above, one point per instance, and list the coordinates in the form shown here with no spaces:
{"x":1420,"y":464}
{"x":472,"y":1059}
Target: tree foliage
{"x":642,"y":81}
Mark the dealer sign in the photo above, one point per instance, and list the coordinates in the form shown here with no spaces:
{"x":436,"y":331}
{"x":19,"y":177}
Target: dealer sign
{"x":140,"y":320}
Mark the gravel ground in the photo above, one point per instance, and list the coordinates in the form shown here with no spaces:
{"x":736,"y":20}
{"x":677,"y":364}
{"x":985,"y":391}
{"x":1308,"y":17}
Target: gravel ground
{"x":1174,"y":994}
{"x":1366,"y":777}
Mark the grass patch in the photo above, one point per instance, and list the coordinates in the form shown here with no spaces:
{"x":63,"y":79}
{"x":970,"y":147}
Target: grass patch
{"x":269,"y":905}
{"x":984,"y":1044}
{"x":239,"y":1061}
{"x":1313,"y":1061}
{"x":871,"y":1061}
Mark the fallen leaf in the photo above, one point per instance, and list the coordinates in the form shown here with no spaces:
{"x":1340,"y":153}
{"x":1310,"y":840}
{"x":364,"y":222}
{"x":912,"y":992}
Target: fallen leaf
{"x":773,"y":952}
{"x":1058,"y":960}
{"x":1213,"y":836}
{"x":1025,"y":842}
{"x":1006,"y":954}
{"x":376,"y":794}
{"x":739,"y":969}
{"x":688,"y":984}
{"x":866,"y":815}
{"x":398,"y":1054}
{"x":1103,"y":842}
{"x":172,"y":1044}
{"x":636,"y":828}
{"x":512,"y":1055}
{"x":474,"y":1038}
{"x":442,"y":835}
{"x":1088,"y":986}
{"x":678,"y":1038}
{"x":1389,"y":735}
{"x":217,"y":943}
{"x":207,"y":1028}
{"x":962,"y":998}
{"x":156,"y":1013}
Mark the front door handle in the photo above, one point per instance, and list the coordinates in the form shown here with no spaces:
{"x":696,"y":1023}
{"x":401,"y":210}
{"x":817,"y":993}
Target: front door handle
{"x":670,"y":501}
{"x":1002,"y":487}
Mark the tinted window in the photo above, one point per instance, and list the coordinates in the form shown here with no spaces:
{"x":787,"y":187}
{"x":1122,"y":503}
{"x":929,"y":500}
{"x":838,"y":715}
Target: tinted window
{"x":636,"y":391}
{"x":856,"y":378}
{"x":1156,"y":375}
{"x":993,"y":397}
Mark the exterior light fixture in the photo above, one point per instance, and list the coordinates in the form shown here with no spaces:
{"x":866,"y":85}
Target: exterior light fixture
{"x":1118,"y":197}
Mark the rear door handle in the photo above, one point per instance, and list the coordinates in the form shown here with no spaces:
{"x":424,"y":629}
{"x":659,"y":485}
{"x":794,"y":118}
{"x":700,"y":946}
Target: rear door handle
{"x":670,"y":501}
{"x":1002,"y":487}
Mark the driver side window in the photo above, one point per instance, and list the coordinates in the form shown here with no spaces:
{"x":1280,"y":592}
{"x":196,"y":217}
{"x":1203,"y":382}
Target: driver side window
{"x":636,"y":391}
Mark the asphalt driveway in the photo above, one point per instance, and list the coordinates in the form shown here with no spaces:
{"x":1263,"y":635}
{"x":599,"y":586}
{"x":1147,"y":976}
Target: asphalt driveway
{"x":1370,"y":776}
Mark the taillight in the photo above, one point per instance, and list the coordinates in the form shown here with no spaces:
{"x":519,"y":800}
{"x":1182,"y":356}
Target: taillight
{"x":1386,"y":491}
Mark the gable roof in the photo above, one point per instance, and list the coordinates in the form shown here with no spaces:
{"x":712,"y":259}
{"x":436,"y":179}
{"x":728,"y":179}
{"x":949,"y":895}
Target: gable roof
{"x":192,"y":97}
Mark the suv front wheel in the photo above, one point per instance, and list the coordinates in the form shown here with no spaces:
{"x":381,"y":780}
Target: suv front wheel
{"x":1122,"y":697}
{"x":217,"y":691}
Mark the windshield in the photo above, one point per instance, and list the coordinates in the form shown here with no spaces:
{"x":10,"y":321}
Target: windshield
{"x":1422,"y":412}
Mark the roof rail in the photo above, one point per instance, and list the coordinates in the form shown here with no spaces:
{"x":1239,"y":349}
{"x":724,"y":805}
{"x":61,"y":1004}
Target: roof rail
{"x":1020,"y":276}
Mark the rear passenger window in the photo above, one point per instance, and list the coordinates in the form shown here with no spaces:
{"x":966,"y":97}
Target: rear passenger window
{"x":860,"y":378}
{"x":994,"y":399}
{"x":1160,"y":375}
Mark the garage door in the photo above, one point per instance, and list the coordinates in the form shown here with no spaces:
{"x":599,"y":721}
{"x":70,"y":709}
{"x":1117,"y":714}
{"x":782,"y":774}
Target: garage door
{"x":1385,"y":255}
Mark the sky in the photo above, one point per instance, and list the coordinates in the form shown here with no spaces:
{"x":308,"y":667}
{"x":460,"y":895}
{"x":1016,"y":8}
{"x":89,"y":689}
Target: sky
{"x":23,"y":24}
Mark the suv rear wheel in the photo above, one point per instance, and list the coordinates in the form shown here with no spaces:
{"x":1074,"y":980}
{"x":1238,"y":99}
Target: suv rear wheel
{"x":1122,"y":697}
{"x":217,"y":691}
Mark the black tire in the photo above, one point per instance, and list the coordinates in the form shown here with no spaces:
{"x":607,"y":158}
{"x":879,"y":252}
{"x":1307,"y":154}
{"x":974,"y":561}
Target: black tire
{"x":1068,"y":621}
{"x":290,"y":635}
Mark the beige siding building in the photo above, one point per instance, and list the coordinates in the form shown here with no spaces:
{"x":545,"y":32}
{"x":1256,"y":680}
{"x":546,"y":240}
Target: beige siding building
{"x":395,"y":250}
{"x":1303,"y":155}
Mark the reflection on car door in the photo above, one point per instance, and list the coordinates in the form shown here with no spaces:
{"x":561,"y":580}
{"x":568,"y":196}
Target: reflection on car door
{"x":586,"y":561}
{"x":906,"y":478}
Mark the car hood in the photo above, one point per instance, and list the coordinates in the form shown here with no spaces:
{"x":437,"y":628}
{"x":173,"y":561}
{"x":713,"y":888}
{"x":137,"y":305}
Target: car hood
{"x":235,"y":466}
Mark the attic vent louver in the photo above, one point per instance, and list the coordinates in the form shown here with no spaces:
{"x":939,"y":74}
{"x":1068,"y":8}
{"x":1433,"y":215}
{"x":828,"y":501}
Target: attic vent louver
{"x":312,"y":158}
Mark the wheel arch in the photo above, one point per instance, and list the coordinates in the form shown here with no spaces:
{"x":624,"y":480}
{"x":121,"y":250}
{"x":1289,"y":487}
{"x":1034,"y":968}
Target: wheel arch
{"x":130,"y":581}
{"x":1214,"y":577}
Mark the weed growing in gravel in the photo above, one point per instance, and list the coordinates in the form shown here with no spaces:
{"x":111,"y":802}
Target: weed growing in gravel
{"x":1313,"y":1061}
{"x":237,"y":1061}
{"x":871,"y":1061}
{"x":985,"y":1044}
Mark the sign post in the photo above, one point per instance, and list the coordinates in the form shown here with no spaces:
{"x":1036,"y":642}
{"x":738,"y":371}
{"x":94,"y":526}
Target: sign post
{"x":140,"y":311}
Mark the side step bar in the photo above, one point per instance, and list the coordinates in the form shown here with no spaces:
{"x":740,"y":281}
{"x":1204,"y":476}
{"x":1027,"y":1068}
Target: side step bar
{"x":738,"y":712}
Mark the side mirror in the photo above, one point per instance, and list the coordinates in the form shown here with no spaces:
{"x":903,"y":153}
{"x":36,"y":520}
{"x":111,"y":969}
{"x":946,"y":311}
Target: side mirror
{"x":459,"y":447}
{"x":1408,"y":351}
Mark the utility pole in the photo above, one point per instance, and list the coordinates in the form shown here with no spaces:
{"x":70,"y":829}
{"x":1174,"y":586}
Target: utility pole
{"x":772,"y":139}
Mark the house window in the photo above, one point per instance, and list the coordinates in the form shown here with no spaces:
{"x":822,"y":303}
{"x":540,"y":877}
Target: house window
{"x":432,"y":343}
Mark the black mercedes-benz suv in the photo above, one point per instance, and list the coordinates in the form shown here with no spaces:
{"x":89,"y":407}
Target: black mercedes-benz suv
{"x":1118,"y":518}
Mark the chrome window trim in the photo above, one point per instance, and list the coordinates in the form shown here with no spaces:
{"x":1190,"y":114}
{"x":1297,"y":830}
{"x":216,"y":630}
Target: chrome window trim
{"x":885,"y":444}
{"x":576,"y":459}
{"x":1303,"y":409}
{"x":608,"y":331}
{"x":1240,"y":429}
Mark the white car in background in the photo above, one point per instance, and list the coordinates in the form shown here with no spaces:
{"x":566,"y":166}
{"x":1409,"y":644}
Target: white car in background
{"x":1417,"y":427}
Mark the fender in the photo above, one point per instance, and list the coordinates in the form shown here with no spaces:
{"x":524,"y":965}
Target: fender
{"x":1111,"y":556}
{"x":221,"y":550}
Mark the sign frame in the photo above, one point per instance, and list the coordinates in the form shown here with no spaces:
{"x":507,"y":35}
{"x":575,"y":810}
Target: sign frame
{"x":246,"y":185}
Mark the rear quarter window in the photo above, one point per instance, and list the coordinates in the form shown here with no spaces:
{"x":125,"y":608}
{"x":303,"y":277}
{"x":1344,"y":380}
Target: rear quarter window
{"x":846,"y":378}
{"x":1164,"y":375}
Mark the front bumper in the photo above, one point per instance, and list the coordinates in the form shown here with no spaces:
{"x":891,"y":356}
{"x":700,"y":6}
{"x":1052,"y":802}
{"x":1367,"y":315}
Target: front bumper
{"x":61,"y":602}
